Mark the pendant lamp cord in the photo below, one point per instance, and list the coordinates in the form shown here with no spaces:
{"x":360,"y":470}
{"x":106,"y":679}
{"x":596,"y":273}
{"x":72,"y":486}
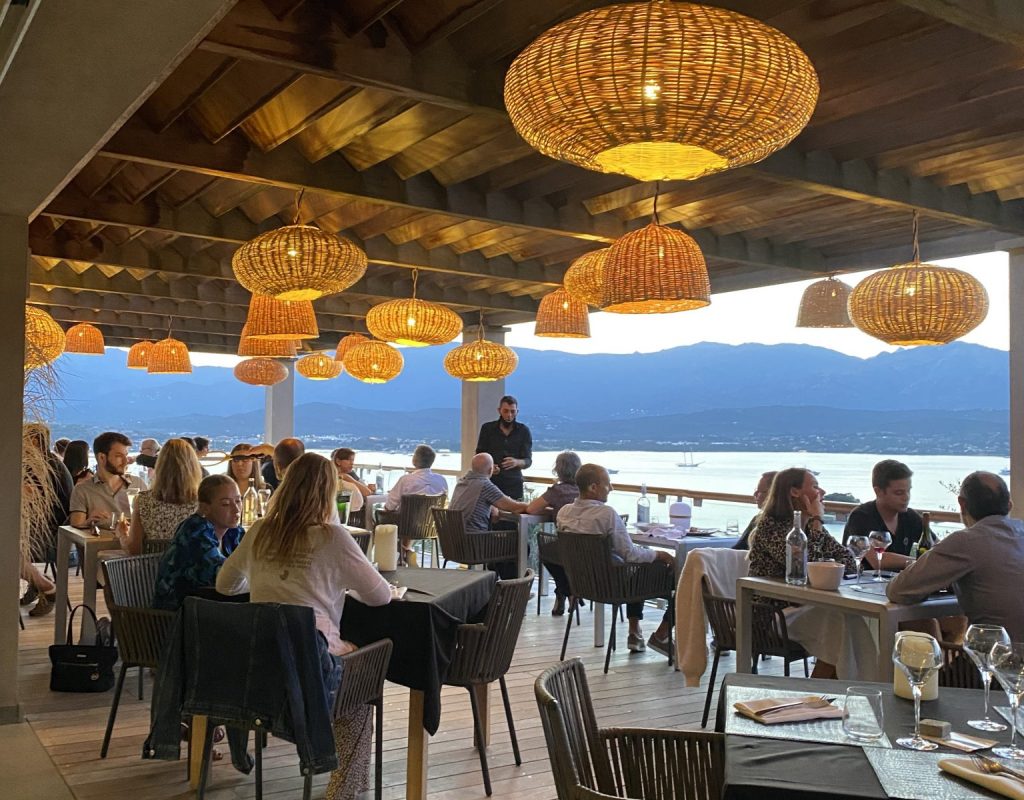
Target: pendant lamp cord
{"x":298,"y":202}
{"x":480,"y":326}
{"x":415,"y":276}
{"x":917,"y":247}
{"x":657,"y":191}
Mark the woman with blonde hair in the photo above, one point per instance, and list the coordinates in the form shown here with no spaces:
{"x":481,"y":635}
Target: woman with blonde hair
{"x":171,"y":499}
{"x":297,"y":555}
{"x":244,"y":465}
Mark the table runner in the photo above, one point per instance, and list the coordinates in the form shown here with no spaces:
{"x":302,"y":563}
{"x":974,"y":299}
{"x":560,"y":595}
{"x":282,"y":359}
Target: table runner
{"x":909,"y":775}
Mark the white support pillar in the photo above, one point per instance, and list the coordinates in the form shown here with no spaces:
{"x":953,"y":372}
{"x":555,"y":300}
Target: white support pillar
{"x":479,"y":403}
{"x":279,"y":413}
{"x":13,"y":290}
{"x":1017,"y":380}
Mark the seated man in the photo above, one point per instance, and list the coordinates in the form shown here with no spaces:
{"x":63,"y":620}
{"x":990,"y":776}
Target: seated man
{"x":890,"y":510}
{"x":285,"y":452}
{"x":983,"y":562}
{"x":591,"y":514}
{"x":420,"y":481}
{"x":105,"y":493}
{"x":760,"y":495}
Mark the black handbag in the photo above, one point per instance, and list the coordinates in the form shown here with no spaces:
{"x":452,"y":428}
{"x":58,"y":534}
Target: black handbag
{"x":83,"y":667}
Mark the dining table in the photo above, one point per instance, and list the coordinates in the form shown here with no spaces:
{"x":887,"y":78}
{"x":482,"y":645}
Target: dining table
{"x":92,"y":544}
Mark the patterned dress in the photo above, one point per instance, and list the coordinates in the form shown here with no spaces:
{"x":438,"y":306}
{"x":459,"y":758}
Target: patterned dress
{"x":192,"y":561}
{"x":160,"y":520}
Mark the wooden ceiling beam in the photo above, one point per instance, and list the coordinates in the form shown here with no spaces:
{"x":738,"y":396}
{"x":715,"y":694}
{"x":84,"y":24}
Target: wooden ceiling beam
{"x":193,"y":346}
{"x":127,"y":335}
{"x":999,"y":20}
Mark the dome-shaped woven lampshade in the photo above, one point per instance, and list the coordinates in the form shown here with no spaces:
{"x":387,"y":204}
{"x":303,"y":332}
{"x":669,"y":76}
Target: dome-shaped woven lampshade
{"x":138,"y":355}
{"x":584,"y":279}
{"x":169,"y":357}
{"x":270,"y":318}
{"x":265,"y":348}
{"x":413,"y":322}
{"x":823,"y":305}
{"x":347,"y":344}
{"x":480,"y":361}
{"x":260,"y":371}
{"x":318,"y":367}
{"x":563,"y":316}
{"x":298,"y":262}
{"x":373,"y":362}
{"x":655,"y":270}
{"x":84,"y":339}
{"x":44,"y":338}
{"x":660,"y":90}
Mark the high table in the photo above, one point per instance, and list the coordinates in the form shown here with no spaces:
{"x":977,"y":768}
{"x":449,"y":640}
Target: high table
{"x":523,"y":524}
{"x":848,"y":600}
{"x":92,"y":544}
{"x":423,"y":628}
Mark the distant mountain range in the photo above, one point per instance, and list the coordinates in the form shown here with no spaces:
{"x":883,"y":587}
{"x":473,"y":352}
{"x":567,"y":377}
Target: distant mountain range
{"x":950,"y":399}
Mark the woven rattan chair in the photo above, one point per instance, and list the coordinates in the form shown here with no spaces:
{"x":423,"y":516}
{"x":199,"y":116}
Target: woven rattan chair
{"x":591,"y":763}
{"x":549,"y":551}
{"x":363,"y":540}
{"x":957,"y":669}
{"x":141,"y":630}
{"x":415,"y":521}
{"x":596,"y":576}
{"x":363,"y":673}
{"x":155,"y":546}
{"x":483,"y":653}
{"x":475,"y":547}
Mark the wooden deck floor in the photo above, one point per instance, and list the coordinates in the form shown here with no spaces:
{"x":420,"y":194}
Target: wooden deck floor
{"x":638,"y":690}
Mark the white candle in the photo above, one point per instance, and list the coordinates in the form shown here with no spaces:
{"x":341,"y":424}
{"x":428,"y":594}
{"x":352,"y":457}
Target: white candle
{"x":385,"y":547}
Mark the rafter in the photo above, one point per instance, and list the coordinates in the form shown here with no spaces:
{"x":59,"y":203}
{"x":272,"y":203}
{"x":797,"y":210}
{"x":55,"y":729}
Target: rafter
{"x":999,"y":20}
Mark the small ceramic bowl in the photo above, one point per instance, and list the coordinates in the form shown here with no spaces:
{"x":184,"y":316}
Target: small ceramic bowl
{"x":826,"y":575}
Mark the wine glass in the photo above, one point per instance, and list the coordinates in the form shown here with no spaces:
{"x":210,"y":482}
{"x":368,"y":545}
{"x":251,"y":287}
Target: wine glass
{"x":1007,"y":662}
{"x":978,"y":643}
{"x":858,"y":547}
{"x":919,"y":656}
{"x":879,"y":541}
{"x":133,"y":492}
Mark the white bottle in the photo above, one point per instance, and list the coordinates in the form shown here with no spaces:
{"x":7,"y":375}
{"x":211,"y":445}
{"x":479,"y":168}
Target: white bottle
{"x":796,"y":554}
{"x":643,"y":506}
{"x":250,"y":504}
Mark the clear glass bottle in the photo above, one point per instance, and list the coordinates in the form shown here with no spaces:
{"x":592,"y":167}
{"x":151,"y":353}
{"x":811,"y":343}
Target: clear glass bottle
{"x":250,"y":504}
{"x":643,"y":506}
{"x":796,"y":553}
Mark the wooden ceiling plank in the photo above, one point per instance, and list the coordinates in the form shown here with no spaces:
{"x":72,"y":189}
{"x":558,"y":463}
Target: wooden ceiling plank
{"x":195,"y":75}
{"x":425,"y":23}
{"x":96,"y":175}
{"x":302,"y":104}
{"x":517,"y":172}
{"x":446,"y":144}
{"x":184,"y":188}
{"x":399,"y":133}
{"x":226,"y":195}
{"x":137,"y":181}
{"x":240,"y":93}
{"x":358,"y":15}
{"x":268,"y":204}
{"x":501,"y":150}
{"x":360,"y":112}
{"x":998,"y":20}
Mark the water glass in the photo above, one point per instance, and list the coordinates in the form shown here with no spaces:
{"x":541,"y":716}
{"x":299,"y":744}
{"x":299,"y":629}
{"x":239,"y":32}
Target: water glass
{"x":978,"y":643}
{"x":1007,"y":660}
{"x":863,"y":714}
{"x":732,"y":526}
{"x":858,"y":547}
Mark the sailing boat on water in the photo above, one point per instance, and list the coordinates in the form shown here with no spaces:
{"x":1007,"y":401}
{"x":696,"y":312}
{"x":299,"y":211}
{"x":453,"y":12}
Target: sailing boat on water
{"x":688,"y":460}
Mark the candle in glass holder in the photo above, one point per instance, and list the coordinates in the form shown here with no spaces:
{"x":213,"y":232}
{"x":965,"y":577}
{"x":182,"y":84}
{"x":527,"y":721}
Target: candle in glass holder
{"x":900,"y":684}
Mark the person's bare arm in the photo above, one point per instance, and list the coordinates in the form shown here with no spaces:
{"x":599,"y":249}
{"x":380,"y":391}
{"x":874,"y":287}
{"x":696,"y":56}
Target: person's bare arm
{"x":508,"y":504}
{"x":537,"y":505}
{"x":133,"y":542}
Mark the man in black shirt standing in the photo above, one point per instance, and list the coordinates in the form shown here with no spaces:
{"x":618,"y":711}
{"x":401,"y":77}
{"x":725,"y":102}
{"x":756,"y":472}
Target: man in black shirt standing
{"x":510,"y":445}
{"x":890,"y":510}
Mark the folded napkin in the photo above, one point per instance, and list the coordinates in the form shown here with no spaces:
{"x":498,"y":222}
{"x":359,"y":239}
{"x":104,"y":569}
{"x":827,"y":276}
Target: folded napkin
{"x":810,"y":707}
{"x":1000,"y":784}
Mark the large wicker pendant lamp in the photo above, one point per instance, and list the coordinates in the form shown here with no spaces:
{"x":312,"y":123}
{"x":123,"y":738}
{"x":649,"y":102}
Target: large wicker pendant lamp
{"x":169,"y":357}
{"x":918,"y":304}
{"x":270,"y":318}
{"x":266,"y":348}
{"x":823,"y":305}
{"x":318,"y":367}
{"x":413,"y":322}
{"x":44,"y":338}
{"x":347,"y":344}
{"x":298,"y":262}
{"x":660,"y":90}
{"x":373,"y":362}
{"x":481,"y":360}
{"x":260,"y":371}
{"x":138,"y":355}
{"x":561,"y":315}
{"x":84,"y":339}
{"x":584,"y":279}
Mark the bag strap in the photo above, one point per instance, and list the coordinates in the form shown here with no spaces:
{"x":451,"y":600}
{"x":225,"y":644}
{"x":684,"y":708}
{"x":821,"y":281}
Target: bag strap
{"x":71,"y":621}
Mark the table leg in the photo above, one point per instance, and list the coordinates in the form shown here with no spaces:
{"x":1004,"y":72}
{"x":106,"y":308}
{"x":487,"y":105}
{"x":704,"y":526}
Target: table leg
{"x":744,"y":633}
{"x":598,"y":624}
{"x":197,"y":732}
{"x":543,"y":583}
{"x":522,"y":558}
{"x":60,"y":613}
{"x":416,"y":750}
{"x":88,"y":631}
{"x":887,"y":626}
{"x":483,"y":705}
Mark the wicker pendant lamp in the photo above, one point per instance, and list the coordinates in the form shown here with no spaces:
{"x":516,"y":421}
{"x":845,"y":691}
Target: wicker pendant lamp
{"x":298,"y":262}
{"x":413,"y":322}
{"x":347,"y":344}
{"x":584,"y":279}
{"x":84,"y":339}
{"x":373,"y":362}
{"x":44,"y":338}
{"x":138,"y":355}
{"x":270,"y":318}
{"x":823,"y":305}
{"x":561,"y":315}
{"x":481,"y":360}
{"x":918,"y":304}
{"x":260,"y":371}
{"x":318,"y":367}
{"x":169,"y":357}
{"x":265,"y":348}
{"x":660,"y":90}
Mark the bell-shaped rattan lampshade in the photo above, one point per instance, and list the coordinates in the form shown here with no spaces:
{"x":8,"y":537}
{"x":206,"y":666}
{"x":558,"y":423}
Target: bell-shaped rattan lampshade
{"x":561,"y":315}
{"x":660,"y":90}
{"x":169,"y":357}
{"x":413,"y":322}
{"x":347,"y":344}
{"x":260,"y":371}
{"x":823,"y":305}
{"x":481,"y":360}
{"x":270,"y":318}
{"x":655,"y":270}
{"x":373,"y":362}
{"x":84,"y":339}
{"x":265,"y":348}
{"x":44,"y":338}
{"x":318,"y":367}
{"x":138,"y":355}
{"x":298,"y":262}
{"x":584,"y":279}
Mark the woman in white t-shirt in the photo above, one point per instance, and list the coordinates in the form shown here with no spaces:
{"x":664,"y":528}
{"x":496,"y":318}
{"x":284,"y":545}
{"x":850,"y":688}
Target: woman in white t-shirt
{"x":297,"y":555}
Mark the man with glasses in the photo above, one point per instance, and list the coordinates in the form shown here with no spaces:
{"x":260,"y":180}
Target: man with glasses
{"x":510,"y":444}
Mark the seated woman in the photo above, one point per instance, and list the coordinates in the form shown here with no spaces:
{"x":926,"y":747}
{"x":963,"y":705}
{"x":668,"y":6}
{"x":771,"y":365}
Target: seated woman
{"x":344,"y":462}
{"x":201,"y":544}
{"x":76,"y":459}
{"x":171,"y":498}
{"x":245,"y":466}
{"x":563,"y":492}
{"x":297,"y":555}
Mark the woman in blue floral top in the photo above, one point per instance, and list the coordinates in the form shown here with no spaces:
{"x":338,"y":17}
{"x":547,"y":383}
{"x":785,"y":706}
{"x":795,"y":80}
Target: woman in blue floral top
{"x":201,"y":543}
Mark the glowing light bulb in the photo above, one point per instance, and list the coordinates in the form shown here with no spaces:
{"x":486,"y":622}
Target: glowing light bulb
{"x":652,"y":90}
{"x":411,"y":322}
{"x":293,"y":252}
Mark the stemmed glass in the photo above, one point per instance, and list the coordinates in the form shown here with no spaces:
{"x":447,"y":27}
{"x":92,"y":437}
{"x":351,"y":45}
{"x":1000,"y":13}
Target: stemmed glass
{"x":858,"y":547}
{"x":978,"y":643}
{"x":1007,"y":662}
{"x":879,"y":541}
{"x":919,"y":656}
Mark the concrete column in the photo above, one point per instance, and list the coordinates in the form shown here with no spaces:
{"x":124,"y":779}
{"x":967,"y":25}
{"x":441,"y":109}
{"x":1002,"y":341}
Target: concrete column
{"x":13,"y":290}
{"x":479,"y":402}
{"x":1017,"y":380}
{"x":279,"y":414}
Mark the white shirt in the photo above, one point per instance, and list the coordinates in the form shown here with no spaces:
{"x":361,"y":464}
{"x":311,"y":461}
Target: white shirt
{"x":356,"y":500}
{"x":593,"y":516}
{"x":419,"y":481}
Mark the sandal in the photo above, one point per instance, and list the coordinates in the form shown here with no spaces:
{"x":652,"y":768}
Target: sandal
{"x":218,"y":734}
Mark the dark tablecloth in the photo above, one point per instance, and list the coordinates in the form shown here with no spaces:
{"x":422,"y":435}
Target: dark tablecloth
{"x":769,"y":769}
{"x":422,"y":626}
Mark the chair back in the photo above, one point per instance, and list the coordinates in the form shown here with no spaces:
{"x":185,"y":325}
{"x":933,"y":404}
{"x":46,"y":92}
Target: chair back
{"x":451,"y":532}
{"x":141,"y":631}
{"x":363,"y":540}
{"x":548,"y":548}
{"x":363,"y":672}
{"x":130,"y":581}
{"x":957,"y":669}
{"x":769,"y":635}
{"x":155,"y":546}
{"x":721,"y":614}
{"x":415,"y":520}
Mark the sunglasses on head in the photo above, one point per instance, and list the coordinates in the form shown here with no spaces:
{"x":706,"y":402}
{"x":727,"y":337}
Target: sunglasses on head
{"x":242,"y":458}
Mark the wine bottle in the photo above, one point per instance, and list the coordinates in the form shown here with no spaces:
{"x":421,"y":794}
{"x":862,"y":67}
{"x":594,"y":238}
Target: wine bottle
{"x":250,"y":504}
{"x":643,"y":506}
{"x":927,"y":541}
{"x":796,"y":554}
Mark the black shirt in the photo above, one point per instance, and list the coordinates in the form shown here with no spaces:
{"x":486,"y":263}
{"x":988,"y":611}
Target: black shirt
{"x":518,"y":443}
{"x":865,"y":518}
{"x":270,"y":475}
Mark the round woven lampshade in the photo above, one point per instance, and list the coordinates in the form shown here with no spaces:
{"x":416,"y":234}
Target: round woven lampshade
{"x":318,"y":367}
{"x":298,"y":262}
{"x":413,"y":322}
{"x":480,"y":361}
{"x":267,"y":348}
{"x":660,"y":90}
{"x":169,"y":357}
{"x":823,"y":305}
{"x":561,"y":315}
{"x":138,"y":355}
{"x":347,"y":344}
{"x":373,"y":362}
{"x":270,"y":318}
{"x":84,"y":339}
{"x":584,"y":279}
{"x":260,"y":371}
{"x":44,"y":338}
{"x":655,"y":270}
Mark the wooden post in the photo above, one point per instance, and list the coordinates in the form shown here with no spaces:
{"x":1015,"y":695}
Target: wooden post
{"x":1016,"y":287}
{"x":417,"y":747}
